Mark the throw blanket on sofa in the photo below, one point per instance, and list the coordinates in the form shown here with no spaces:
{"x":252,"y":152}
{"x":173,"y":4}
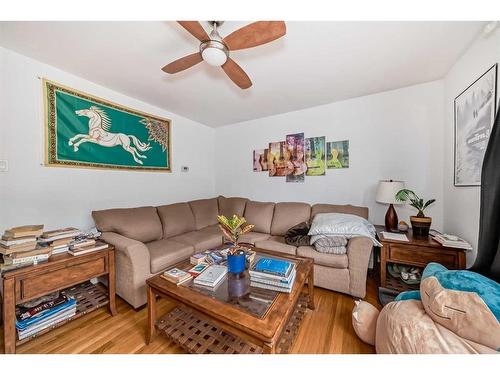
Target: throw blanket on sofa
{"x":297,"y":235}
{"x":334,"y":224}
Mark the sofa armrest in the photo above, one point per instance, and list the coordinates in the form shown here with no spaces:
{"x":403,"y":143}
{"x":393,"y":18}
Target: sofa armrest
{"x":358,"y":253}
{"x":135,"y":250}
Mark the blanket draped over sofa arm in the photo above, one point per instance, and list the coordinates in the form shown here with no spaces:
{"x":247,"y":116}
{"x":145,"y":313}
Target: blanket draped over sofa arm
{"x":133,"y":261}
{"x":358,"y":253}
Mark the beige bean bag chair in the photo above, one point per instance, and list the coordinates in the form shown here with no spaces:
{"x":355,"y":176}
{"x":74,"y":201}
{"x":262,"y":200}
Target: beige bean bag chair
{"x":454,"y":312}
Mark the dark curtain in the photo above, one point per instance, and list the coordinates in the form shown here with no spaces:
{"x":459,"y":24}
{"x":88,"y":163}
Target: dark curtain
{"x":488,"y":251}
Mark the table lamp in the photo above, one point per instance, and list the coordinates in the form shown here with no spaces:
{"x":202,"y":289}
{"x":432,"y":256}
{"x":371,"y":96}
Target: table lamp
{"x":386,"y":193}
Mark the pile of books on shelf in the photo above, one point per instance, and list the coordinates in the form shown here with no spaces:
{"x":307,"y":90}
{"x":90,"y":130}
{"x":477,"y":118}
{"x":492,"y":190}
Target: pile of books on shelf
{"x":42,"y":313}
{"x":273,"y":274}
{"x":59,"y":239}
{"x":19,"y":248}
{"x":449,"y":240}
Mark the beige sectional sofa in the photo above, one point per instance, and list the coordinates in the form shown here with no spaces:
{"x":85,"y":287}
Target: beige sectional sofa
{"x":150,"y":239}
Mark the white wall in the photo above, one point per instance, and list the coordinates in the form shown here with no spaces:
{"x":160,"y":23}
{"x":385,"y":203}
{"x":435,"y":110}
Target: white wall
{"x":396,"y":134}
{"x":461,"y":204}
{"x":31,"y":193}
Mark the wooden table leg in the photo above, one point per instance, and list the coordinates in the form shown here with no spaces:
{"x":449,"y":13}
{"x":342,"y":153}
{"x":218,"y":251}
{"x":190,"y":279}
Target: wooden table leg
{"x":310,"y":286}
{"x":9,"y":316}
{"x":112,"y":283}
{"x":268,"y":348}
{"x":383,"y":267}
{"x":151,"y":330}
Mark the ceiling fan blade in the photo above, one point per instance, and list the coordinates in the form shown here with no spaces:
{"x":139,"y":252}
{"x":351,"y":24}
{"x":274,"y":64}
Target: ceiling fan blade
{"x":195,"y":29}
{"x":236,"y":74}
{"x":255,"y":34}
{"x":183,"y":63}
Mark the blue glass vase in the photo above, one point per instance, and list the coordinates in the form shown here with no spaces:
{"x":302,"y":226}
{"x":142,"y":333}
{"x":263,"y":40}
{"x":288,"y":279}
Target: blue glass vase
{"x":236,"y":263}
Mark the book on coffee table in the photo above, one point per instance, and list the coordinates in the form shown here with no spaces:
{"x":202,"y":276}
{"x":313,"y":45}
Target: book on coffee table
{"x":176,"y":276}
{"x":211,"y":276}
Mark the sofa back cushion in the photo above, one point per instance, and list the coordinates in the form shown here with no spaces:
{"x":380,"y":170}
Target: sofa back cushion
{"x":176,"y":219}
{"x":259,"y":214}
{"x":205,"y":212}
{"x":141,"y":223}
{"x":232,"y":206}
{"x":287,"y":215}
{"x":340,"y":209}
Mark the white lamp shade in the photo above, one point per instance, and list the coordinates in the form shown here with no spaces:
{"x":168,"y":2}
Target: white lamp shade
{"x":387,"y":189}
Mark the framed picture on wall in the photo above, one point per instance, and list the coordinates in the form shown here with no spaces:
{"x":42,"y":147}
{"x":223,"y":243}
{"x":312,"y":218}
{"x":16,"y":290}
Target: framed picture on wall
{"x":475,"y":110}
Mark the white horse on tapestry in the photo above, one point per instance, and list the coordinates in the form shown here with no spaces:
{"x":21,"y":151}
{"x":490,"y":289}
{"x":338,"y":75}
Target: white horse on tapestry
{"x":99,"y":126}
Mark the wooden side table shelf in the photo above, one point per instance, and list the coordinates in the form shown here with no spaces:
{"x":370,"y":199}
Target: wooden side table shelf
{"x":60,"y":272}
{"x":416,"y":252}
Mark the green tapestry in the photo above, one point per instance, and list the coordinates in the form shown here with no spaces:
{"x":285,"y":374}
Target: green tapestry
{"x":88,"y":132}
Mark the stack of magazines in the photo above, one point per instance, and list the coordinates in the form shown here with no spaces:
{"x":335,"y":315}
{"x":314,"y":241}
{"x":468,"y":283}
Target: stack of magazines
{"x":43,"y":313}
{"x":273,"y":274}
{"x":449,"y":240}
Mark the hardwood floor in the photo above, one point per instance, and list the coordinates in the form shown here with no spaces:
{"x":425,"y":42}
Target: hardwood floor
{"x":327,"y":329}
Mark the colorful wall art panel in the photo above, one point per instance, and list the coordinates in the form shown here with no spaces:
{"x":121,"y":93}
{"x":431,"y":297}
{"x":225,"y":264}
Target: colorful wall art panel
{"x":260,"y":160}
{"x":337,"y":154}
{"x":315,"y":156}
{"x":278,"y":163}
{"x":295,"y":155}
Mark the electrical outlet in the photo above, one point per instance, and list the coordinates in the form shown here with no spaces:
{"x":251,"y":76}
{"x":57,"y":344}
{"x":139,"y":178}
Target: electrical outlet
{"x":184,"y":169}
{"x":4,"y":165}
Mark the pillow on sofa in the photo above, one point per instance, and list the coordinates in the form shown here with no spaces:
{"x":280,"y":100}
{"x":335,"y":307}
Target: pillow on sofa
{"x":297,"y":235}
{"x":334,"y":224}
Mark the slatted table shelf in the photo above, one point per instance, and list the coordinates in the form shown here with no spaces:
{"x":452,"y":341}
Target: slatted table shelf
{"x":89,"y":297}
{"x":195,"y":335}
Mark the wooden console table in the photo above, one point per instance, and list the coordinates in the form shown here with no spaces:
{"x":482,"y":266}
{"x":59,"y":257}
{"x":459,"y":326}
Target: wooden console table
{"x":416,"y":252}
{"x":61,"y":271}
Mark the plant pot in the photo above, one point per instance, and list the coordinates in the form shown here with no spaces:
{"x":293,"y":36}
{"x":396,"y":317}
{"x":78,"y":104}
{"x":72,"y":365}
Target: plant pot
{"x":420,"y":225}
{"x":236,"y":263}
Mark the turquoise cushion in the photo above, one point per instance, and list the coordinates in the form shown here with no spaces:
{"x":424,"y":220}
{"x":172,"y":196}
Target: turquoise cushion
{"x":467,"y":281}
{"x":412,"y":294}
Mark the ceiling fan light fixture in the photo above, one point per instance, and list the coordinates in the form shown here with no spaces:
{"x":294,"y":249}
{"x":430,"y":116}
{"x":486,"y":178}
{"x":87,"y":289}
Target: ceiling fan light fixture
{"x":214,"y":53}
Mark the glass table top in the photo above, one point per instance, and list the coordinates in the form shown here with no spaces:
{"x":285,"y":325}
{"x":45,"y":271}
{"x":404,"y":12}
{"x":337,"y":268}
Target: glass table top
{"x":236,"y":290}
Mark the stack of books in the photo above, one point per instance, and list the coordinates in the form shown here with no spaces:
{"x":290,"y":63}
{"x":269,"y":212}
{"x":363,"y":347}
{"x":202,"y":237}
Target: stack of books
{"x":59,"y":239}
{"x":85,"y":247}
{"x":18,"y":247}
{"x":33,"y":318}
{"x":273,"y":274}
{"x":212,"y":277}
{"x":448,"y":240}
{"x":176,"y":276}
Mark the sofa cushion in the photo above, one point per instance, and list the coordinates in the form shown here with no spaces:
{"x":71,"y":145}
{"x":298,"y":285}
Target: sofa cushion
{"x":341,"y":209}
{"x":287,"y":215}
{"x":165,"y":253}
{"x":323,"y":259}
{"x":176,"y":219}
{"x":253,"y":237}
{"x":198,"y":239}
{"x":140,"y":223}
{"x":276,"y":243}
{"x":232,"y":206}
{"x":205,"y":212}
{"x":212,"y":229}
{"x":259,"y":214}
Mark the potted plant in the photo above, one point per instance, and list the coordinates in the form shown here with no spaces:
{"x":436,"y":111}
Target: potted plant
{"x":420,"y":223}
{"x":232,"y":229}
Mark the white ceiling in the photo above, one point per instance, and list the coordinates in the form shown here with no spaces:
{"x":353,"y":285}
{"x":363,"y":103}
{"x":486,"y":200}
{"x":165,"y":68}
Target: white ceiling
{"x":315,"y":63}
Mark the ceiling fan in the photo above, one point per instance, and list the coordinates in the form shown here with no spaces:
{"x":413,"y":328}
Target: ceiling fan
{"x":214,"y":49}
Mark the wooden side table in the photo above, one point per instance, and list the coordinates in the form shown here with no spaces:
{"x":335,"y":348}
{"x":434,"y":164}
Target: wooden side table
{"x":59,"y":272}
{"x":416,"y":252}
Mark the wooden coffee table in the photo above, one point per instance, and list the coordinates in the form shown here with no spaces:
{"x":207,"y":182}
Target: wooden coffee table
{"x":236,"y":318}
